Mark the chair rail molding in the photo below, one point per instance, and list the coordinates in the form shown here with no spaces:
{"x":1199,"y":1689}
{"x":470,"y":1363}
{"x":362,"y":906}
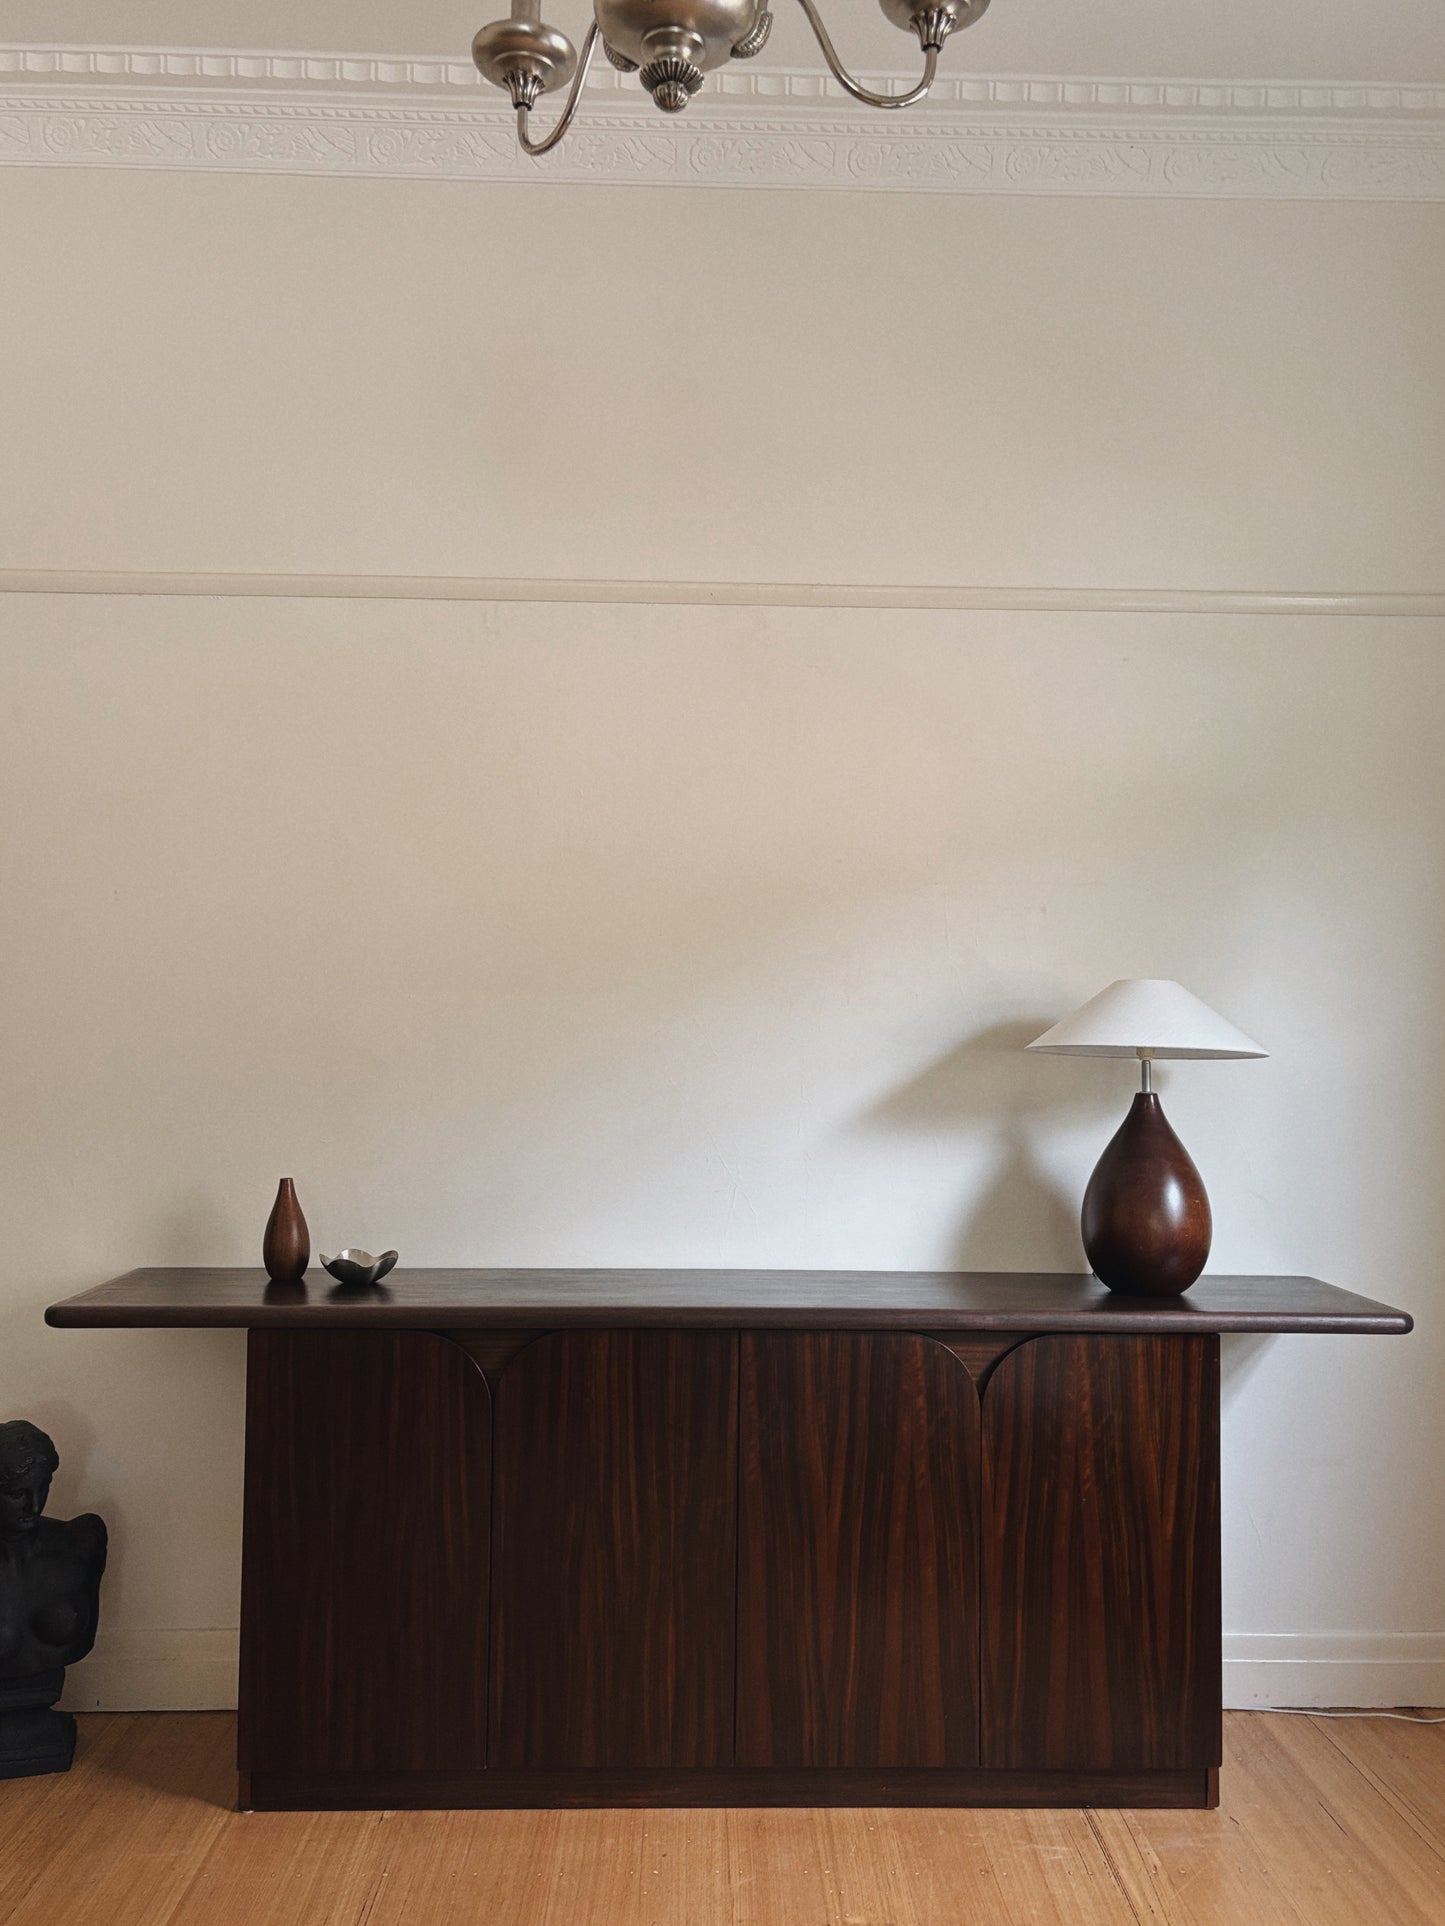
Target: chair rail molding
{"x":275,"y":112}
{"x":1033,"y":598}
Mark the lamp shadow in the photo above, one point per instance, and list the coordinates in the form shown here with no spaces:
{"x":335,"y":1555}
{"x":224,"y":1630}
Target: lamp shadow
{"x":1023,"y":1219}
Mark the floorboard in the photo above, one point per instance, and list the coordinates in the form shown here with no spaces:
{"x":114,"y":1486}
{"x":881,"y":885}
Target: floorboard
{"x":1322,"y":1822}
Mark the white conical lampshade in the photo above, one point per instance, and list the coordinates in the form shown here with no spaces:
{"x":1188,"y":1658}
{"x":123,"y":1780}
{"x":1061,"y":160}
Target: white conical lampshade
{"x":1146,"y":1016}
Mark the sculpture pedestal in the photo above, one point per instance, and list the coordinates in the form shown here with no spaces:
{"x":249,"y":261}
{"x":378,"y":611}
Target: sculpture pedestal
{"x":34,"y":1737}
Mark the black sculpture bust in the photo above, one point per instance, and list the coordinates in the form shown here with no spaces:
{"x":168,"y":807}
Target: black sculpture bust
{"x":50,"y":1572}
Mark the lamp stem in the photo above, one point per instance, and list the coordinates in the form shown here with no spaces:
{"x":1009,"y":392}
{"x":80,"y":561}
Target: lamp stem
{"x":1146,"y":1074}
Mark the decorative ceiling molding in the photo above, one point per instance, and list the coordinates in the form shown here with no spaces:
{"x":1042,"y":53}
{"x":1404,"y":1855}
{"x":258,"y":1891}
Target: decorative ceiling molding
{"x":738,"y":81}
{"x":330,"y":113}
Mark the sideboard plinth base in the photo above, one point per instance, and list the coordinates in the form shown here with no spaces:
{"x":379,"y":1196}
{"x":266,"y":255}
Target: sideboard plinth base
{"x":514,"y":1791}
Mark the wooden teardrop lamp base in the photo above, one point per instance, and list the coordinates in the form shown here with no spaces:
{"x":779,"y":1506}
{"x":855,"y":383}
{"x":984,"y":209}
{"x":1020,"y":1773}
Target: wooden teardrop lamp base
{"x":1146,"y":1221}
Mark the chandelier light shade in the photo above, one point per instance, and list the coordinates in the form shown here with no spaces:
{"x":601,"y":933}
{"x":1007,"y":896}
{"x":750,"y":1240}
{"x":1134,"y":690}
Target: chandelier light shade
{"x":1146,"y":1221}
{"x":671,"y":45}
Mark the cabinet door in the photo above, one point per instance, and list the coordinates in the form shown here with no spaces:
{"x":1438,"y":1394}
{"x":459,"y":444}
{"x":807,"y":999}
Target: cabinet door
{"x":1101,"y":1642}
{"x":365,"y":1559}
{"x":615,"y":1551}
{"x":858,"y":1524}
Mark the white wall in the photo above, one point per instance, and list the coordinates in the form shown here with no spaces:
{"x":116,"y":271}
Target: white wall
{"x":227,"y":372}
{"x":612,"y":935}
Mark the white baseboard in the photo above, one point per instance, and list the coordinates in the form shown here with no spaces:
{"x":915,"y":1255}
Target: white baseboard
{"x":157,"y":1671}
{"x":1328,"y":1668}
{"x":195,"y":1671}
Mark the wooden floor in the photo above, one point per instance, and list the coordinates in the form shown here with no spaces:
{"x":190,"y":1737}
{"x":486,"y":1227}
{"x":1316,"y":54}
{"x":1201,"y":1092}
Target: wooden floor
{"x":1321,"y":1821}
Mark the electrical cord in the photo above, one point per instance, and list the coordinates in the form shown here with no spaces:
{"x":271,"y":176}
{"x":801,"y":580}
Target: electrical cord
{"x":1309,"y":1712}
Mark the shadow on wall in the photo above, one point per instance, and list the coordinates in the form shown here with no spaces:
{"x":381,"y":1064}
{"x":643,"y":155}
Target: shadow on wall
{"x":1022,"y":1220}
{"x":1241,"y":1355}
{"x":72,"y":1430}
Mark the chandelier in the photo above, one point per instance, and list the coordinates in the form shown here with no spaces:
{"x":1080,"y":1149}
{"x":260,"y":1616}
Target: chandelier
{"x":671,"y":44}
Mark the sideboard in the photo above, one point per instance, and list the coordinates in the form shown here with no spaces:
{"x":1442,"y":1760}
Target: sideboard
{"x":558,"y":1538}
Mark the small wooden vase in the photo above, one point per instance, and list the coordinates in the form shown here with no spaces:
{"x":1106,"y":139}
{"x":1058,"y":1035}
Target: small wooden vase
{"x":1146,"y":1221}
{"x":286,"y":1247}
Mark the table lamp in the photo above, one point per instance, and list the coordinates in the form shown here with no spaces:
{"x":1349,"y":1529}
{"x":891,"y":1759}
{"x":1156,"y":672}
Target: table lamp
{"x":1146,"y":1219}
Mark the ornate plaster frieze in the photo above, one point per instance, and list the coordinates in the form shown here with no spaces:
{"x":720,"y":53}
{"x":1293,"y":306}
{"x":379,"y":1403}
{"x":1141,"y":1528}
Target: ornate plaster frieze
{"x":337,"y":114}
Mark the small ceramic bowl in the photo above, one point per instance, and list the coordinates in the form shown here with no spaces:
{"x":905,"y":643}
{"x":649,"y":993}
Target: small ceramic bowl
{"x":358,"y":1268}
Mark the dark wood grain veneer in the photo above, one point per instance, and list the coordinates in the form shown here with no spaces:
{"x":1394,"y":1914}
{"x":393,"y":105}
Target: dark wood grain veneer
{"x":369,"y":1791}
{"x":857,"y":1552}
{"x":1101,"y":1627}
{"x":519,"y":1538}
{"x":365,"y":1554}
{"x":721,"y":1300}
{"x":493,"y":1350}
{"x":977,"y":1351}
{"x":614,"y":1534}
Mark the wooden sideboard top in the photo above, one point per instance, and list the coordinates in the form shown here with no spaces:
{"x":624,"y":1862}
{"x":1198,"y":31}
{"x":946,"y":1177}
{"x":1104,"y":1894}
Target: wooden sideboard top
{"x":798,"y":1300}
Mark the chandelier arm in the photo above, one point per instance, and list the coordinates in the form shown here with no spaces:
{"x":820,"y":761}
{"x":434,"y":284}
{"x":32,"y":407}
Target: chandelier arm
{"x":846,"y":81}
{"x":549,"y":141}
